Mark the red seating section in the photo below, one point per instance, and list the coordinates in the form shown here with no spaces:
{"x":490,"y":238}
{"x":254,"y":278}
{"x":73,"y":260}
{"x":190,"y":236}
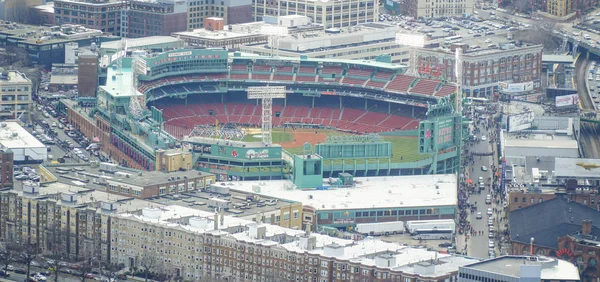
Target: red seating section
{"x":425,"y":87}
{"x":181,"y":119}
{"x":359,"y":72}
{"x":400,"y":83}
{"x":445,"y":90}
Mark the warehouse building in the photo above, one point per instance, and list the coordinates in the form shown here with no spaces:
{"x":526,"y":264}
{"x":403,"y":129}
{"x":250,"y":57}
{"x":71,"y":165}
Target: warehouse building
{"x":25,"y":147}
{"x":368,"y":200}
{"x":520,"y":268}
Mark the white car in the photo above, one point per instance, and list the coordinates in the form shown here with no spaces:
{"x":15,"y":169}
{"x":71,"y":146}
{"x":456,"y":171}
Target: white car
{"x":489,"y":212}
{"x":483,"y":138}
{"x":483,"y":168}
{"x":479,"y":215}
{"x":491,"y":235}
{"x":489,"y":40}
{"x":491,"y":244}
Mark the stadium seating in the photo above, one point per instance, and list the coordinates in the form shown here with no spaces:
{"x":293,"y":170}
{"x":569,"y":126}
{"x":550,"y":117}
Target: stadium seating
{"x":300,"y":78}
{"x":383,"y":75}
{"x":376,"y":84}
{"x":425,"y":86}
{"x":307,"y":70}
{"x":445,"y":90}
{"x":239,"y":67}
{"x":286,"y":78}
{"x":401,"y":83}
{"x":261,"y":68}
{"x":359,"y":72}
{"x":282,"y":69}
{"x":353,"y":81}
{"x":181,"y":119}
{"x":262,"y":77}
{"x":332,"y":70}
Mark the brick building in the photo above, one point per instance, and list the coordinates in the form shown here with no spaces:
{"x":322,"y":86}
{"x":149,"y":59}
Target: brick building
{"x":484,"y":70}
{"x":87,"y":76}
{"x":433,"y":9}
{"x":153,"y":184}
{"x":104,"y":15}
{"x":6,"y":168}
{"x":154,"y":18}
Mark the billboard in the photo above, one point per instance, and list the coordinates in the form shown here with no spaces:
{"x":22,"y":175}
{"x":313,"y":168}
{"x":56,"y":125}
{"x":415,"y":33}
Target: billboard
{"x":241,"y":153}
{"x":516,"y":87}
{"x":414,"y":40}
{"x":567,"y":100}
{"x":520,"y":121}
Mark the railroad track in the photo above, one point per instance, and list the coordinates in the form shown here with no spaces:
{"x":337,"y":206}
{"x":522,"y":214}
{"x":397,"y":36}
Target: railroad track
{"x":589,"y":138}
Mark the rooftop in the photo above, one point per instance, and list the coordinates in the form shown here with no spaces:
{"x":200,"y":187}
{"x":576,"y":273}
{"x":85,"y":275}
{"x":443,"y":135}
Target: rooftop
{"x":156,"y":177}
{"x":14,"y":136}
{"x":580,"y":168}
{"x":380,"y":192}
{"x":366,"y":252}
{"x":540,"y":140}
{"x":133,"y":43}
{"x":85,"y":197}
{"x":216,"y":34}
{"x":552,"y":269}
{"x":44,"y":35}
{"x":13,"y":77}
{"x":118,"y":82}
{"x":549,"y":220}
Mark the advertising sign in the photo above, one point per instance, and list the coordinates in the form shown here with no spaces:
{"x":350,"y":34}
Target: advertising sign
{"x":520,"y":121}
{"x":516,"y":87}
{"x":242,"y":153}
{"x":567,"y":100}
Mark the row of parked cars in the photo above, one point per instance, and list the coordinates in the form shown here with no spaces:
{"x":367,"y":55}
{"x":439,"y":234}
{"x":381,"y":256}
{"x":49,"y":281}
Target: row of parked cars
{"x":25,"y":173}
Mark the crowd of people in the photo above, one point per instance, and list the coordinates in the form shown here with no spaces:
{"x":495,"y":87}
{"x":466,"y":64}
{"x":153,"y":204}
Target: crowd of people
{"x":485,"y":123}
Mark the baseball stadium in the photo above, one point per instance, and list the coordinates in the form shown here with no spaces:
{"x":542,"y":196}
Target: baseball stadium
{"x":364,"y":118}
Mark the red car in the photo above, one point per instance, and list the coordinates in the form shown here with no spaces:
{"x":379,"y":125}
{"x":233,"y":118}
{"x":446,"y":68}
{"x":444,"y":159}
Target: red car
{"x":89,"y":276}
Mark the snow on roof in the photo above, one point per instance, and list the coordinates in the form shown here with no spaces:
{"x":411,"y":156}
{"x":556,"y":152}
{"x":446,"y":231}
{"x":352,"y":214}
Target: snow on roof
{"x":380,"y":192}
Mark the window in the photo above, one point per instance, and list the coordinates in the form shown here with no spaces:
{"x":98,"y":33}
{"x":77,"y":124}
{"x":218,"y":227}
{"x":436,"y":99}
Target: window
{"x":516,"y":199}
{"x":531,"y":200}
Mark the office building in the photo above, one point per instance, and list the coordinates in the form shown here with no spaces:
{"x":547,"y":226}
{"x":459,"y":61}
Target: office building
{"x":87,"y":76}
{"x":15,"y":93}
{"x":342,"y":13}
{"x":154,"y":18}
{"x":103,"y":15}
{"x":231,"y":11}
{"x":437,"y":9}
{"x":520,"y":268}
{"x":46,"y":45}
{"x":17,"y":10}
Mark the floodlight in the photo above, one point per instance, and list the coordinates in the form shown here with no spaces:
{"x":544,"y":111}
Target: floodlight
{"x":267,"y":94}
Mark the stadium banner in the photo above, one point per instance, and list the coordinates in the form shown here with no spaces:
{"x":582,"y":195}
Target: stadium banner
{"x":247,"y":153}
{"x":567,"y":100}
{"x":520,"y":121}
{"x":186,"y":55}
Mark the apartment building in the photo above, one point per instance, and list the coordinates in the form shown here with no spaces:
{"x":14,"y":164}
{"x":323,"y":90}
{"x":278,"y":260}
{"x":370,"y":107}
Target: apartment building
{"x":6,"y":167}
{"x":104,"y":15}
{"x":231,"y":11}
{"x":194,"y":244}
{"x":15,"y":93}
{"x":153,"y":18}
{"x":520,"y":268}
{"x":61,"y":217}
{"x":330,"y":14}
{"x":562,"y":8}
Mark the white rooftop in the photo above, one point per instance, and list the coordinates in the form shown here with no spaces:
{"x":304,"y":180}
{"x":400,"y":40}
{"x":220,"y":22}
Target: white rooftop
{"x":118,"y":82}
{"x":139,"y":42}
{"x":552,"y":269}
{"x":380,"y":192}
{"x":214,"y":35}
{"x":365,"y":252}
{"x":14,"y":136}
{"x":14,"y":77}
{"x":543,"y":141}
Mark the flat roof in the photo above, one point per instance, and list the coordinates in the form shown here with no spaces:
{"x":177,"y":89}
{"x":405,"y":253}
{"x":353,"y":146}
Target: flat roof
{"x":86,"y":196}
{"x":118,"y":82}
{"x":14,"y":77}
{"x":34,"y":34}
{"x":214,"y":141}
{"x":371,"y":192}
{"x":552,"y":269}
{"x":364,"y":251}
{"x":140,"y":42}
{"x":14,"y":136}
{"x":156,"y":177}
{"x":64,"y":79}
{"x":542,"y":143}
{"x":557,"y":59}
{"x":216,"y":34}
{"x":580,"y":168}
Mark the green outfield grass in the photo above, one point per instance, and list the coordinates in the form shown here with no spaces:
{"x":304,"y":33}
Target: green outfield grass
{"x":279,"y":136}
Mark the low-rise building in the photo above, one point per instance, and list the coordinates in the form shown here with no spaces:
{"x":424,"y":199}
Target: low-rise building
{"x":520,"y":268}
{"x":15,"y":94}
{"x":145,"y":185}
{"x":431,"y":9}
{"x":24,"y":146}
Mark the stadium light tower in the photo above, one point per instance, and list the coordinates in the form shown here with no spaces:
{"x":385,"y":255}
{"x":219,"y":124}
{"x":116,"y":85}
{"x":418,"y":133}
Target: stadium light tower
{"x":414,"y":41}
{"x":458,"y":73}
{"x":275,"y":32}
{"x":267,"y":94}
{"x":138,"y":67}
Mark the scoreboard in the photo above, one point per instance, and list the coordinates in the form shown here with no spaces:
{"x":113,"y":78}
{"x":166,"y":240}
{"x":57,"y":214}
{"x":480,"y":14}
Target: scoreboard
{"x":439,"y":134}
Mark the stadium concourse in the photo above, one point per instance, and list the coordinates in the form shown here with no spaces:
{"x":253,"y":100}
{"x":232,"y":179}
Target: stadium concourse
{"x":206,"y":106}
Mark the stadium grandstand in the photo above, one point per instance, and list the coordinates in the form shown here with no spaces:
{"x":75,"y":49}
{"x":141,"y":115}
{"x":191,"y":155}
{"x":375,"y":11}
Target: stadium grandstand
{"x":202,"y":93}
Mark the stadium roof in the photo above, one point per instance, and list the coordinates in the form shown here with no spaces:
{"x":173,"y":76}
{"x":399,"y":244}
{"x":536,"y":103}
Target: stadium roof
{"x":372,"y":192}
{"x":394,"y":66}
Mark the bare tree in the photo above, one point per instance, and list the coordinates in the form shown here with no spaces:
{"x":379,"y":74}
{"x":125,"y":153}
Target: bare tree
{"x":540,"y":33}
{"x":29,"y":252}
{"x":162,"y":275}
{"x":8,"y":254}
{"x":83,"y":271}
{"x":148,"y":263}
{"x":111,"y":269}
